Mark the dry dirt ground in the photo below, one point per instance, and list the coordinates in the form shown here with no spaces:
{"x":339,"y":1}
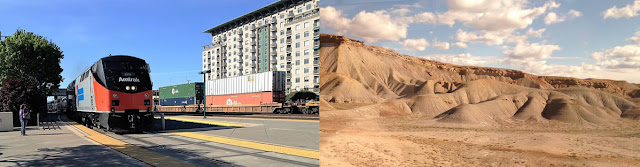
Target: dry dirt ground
{"x":396,"y":139}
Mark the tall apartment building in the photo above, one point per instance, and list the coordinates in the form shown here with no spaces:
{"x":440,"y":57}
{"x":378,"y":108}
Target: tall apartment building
{"x":282,"y":36}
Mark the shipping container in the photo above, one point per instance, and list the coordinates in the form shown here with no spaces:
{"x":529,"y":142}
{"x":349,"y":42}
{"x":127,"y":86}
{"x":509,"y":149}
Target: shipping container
{"x":178,"y":101}
{"x":180,"y":91}
{"x":272,"y":81}
{"x":246,"y":98}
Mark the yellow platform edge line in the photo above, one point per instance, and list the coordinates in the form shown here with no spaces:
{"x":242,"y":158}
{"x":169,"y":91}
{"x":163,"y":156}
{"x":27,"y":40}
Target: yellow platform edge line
{"x":253,"y":145}
{"x":270,"y":119}
{"x":132,"y":151}
{"x":206,"y":122}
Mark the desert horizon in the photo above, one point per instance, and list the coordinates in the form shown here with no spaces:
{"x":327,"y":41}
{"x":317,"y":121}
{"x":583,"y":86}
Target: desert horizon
{"x":382,"y":108}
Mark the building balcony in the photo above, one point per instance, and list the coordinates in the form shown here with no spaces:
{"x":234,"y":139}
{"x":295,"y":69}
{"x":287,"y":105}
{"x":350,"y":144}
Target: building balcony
{"x":316,"y":53}
{"x":273,"y":45}
{"x":274,"y":60}
{"x":252,"y":27}
{"x":288,"y":49}
{"x":253,"y":58}
{"x":273,"y":28}
{"x":273,"y":37}
{"x":252,"y":50}
{"x":290,"y":15}
{"x":316,"y":71}
{"x":316,"y":63}
{"x":274,"y":20}
{"x":289,"y":75}
{"x":252,"y":35}
{"x":240,"y":31}
{"x":288,"y":68}
{"x":252,"y":42}
{"x":240,"y":52}
{"x":273,"y":53}
{"x":223,"y":38}
{"x":288,"y":33}
{"x":224,"y":70}
{"x":252,"y":65}
{"x":240,"y":46}
{"x":223,"y":43}
{"x":240,"y":39}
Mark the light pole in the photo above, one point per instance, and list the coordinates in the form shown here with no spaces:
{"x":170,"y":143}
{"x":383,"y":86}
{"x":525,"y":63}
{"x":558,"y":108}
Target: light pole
{"x":204,"y":98}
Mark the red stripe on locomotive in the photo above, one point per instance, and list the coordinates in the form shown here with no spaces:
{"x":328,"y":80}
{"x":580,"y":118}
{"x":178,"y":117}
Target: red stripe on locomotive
{"x":104,"y":96}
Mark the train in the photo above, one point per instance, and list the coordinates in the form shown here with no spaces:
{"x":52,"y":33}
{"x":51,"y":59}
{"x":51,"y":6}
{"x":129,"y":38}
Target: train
{"x":57,"y":105}
{"x":115,"y":94}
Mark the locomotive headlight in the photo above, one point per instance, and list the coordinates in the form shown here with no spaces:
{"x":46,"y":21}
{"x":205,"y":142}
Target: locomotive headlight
{"x":146,"y":95}
{"x":115,"y":95}
{"x":127,"y":87}
{"x":133,"y":87}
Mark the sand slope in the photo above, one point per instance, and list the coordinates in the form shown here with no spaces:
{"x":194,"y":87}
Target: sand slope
{"x":353,"y":72}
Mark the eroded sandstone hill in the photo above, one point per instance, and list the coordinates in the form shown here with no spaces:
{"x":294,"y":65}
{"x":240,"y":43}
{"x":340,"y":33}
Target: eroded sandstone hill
{"x":353,"y":72}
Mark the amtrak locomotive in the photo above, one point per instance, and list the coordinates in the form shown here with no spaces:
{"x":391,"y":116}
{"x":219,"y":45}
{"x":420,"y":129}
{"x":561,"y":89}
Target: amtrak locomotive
{"x":115,"y":94}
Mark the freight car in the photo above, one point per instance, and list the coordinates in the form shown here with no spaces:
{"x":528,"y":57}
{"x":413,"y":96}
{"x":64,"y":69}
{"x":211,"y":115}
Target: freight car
{"x":255,"y":93}
{"x":114,"y":93}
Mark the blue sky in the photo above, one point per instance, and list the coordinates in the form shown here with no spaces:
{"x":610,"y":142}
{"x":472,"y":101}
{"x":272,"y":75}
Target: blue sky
{"x":583,"y":39}
{"x":168,"y":34}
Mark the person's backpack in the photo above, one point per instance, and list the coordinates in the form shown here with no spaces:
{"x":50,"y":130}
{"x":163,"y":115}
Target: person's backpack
{"x":27,"y":115}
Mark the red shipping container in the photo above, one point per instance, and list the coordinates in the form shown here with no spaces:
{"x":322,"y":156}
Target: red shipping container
{"x":246,"y":99}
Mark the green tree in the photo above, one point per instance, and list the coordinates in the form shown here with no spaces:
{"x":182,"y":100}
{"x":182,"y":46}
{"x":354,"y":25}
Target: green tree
{"x":305,"y":95}
{"x":32,"y":58}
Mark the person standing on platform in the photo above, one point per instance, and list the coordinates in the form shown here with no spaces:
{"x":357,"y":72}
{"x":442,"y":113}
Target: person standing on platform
{"x":24,"y":119}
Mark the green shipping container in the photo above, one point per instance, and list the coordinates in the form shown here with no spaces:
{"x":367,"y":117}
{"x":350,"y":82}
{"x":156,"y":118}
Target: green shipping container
{"x":178,"y":91}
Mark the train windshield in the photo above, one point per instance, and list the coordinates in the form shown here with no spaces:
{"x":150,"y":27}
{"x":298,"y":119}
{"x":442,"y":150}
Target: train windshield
{"x":122,"y":74}
{"x":131,"y":66}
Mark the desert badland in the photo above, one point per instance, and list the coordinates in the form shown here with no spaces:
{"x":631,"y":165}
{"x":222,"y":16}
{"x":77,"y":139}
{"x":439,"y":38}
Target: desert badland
{"x":381,"y":108}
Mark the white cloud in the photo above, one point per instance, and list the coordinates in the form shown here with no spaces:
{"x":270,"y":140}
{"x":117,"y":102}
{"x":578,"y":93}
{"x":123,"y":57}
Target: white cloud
{"x":426,"y":17}
{"x":489,"y":38}
{"x":370,"y":26}
{"x":552,"y":17}
{"x":461,"y":45}
{"x":535,"y":33}
{"x":628,"y":11}
{"x":415,"y":44}
{"x":531,"y":51}
{"x":487,"y":15}
{"x":636,"y":39}
{"x":619,"y":57}
{"x":460,"y":59}
{"x":440,"y":45}
{"x":574,"y":13}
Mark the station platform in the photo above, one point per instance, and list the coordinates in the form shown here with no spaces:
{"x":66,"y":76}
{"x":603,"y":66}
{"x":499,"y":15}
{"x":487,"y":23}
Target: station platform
{"x":56,"y":147}
{"x":227,"y":142}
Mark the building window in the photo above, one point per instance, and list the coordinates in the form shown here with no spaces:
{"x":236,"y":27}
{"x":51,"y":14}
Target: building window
{"x":309,"y":7}
{"x":281,"y":40}
{"x":281,"y":32}
{"x":306,"y":43}
{"x":297,"y":63}
{"x":297,"y":88}
{"x":282,"y":24}
{"x":297,"y":44}
{"x":306,"y":52}
{"x":282,"y":16}
{"x":235,"y":32}
{"x":298,"y":27}
{"x":298,"y":36}
{"x":306,"y":61}
{"x":306,"y":24}
{"x":297,"y":71}
{"x":281,"y":57}
{"x":297,"y":53}
{"x":306,"y":70}
{"x":306,"y":79}
{"x":281,"y":65}
{"x":281,"y":49}
{"x":297,"y":79}
{"x":306,"y":33}
{"x":299,"y":10}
